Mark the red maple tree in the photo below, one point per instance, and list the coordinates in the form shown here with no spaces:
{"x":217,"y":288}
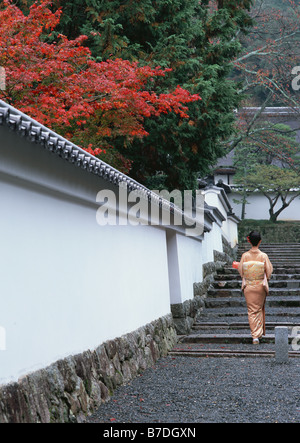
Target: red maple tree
{"x":57,"y":82}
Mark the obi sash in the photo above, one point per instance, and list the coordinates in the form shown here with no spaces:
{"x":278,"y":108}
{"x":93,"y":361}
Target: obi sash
{"x":253,"y":273}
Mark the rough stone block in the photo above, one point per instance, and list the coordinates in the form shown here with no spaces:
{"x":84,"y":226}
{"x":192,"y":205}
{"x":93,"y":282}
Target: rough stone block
{"x":282,"y":344}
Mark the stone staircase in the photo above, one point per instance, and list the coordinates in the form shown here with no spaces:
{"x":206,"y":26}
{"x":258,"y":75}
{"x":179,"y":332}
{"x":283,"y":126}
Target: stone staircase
{"x":223,"y":329}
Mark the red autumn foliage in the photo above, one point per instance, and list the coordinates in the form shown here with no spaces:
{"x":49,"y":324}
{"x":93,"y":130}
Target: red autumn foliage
{"x":58,"y":83}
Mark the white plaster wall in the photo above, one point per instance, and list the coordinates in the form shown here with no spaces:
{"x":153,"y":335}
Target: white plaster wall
{"x":213,"y":197}
{"x":67,"y":284}
{"x":258,"y":209}
{"x":207,"y":249}
{"x":215,"y":240}
{"x":226,"y":230}
{"x":233,"y":232}
{"x":185,"y":266}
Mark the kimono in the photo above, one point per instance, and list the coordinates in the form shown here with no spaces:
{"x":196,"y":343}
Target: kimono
{"x":256,"y":270}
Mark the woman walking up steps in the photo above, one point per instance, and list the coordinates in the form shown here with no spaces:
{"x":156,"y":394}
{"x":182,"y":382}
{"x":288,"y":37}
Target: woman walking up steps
{"x":256,"y":270}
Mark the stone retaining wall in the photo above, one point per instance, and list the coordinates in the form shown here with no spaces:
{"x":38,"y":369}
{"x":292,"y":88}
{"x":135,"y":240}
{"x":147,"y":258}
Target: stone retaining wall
{"x":72,"y":388}
{"x":185,"y":314}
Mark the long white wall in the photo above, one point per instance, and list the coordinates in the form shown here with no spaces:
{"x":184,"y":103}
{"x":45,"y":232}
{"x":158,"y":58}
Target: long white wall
{"x":217,"y":198}
{"x":258,"y":207}
{"x":185,"y":256}
{"x":67,"y":284}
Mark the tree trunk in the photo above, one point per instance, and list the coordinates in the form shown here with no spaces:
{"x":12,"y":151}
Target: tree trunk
{"x":275,"y":215}
{"x":273,"y":218}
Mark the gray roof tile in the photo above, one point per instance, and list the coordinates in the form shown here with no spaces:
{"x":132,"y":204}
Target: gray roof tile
{"x":35,"y":132}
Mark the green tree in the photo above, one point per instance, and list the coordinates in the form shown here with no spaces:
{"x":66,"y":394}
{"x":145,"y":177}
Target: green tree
{"x":265,"y":67}
{"x":280,"y":186}
{"x":267,"y":144}
{"x":198,"y":42}
{"x":268,"y":162}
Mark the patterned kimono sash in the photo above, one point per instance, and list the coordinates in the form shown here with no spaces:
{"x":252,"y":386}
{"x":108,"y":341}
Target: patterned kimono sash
{"x":254,"y":273}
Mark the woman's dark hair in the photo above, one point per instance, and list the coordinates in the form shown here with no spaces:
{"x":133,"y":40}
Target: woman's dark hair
{"x":254,"y":238}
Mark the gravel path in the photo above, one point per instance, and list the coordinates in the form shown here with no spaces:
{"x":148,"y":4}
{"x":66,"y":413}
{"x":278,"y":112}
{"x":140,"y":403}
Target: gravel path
{"x":208,"y":390}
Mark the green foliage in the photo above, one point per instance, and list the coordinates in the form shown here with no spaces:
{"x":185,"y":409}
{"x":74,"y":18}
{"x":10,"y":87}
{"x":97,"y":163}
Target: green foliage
{"x":269,"y":144}
{"x":268,"y":162}
{"x":197,"y":40}
{"x":276,"y":184}
{"x":270,"y":178}
{"x":198,"y":44}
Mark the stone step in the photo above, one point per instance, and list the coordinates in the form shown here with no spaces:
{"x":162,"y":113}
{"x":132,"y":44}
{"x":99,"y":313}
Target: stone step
{"x":285,"y":277}
{"x":271,"y":251}
{"x":284,"y":262}
{"x":278,"y":315}
{"x":278,"y":255}
{"x":204,"y":326}
{"x":274,"y":292}
{"x":222,"y":329}
{"x":236,"y":277}
{"x":283,"y":259}
{"x":236,"y":284}
{"x":228,"y":338}
{"x":227,"y":350}
{"x":223,"y":353}
{"x":279,"y":262}
{"x":220,"y":302}
{"x":266,"y":246}
{"x":239,"y":313}
{"x":277,"y":270}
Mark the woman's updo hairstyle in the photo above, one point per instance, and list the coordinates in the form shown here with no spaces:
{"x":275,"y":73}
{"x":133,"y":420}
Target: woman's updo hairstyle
{"x":254,"y":238}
